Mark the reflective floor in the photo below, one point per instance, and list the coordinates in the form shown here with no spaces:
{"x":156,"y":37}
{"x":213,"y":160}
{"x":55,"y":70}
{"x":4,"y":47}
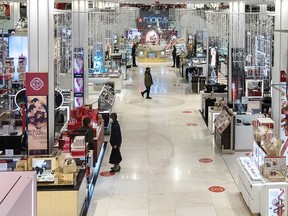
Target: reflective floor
{"x":163,"y":140}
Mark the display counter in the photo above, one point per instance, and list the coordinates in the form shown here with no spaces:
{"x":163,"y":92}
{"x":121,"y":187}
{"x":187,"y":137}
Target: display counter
{"x":11,"y":140}
{"x":149,"y":55}
{"x":261,"y":196}
{"x":213,"y":112}
{"x":196,"y":83}
{"x":204,"y":95}
{"x":100,"y":81}
{"x":59,"y":200}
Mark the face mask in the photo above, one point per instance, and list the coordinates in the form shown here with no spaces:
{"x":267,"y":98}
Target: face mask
{"x":111,"y":121}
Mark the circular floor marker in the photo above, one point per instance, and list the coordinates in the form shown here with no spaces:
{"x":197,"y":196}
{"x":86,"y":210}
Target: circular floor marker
{"x":216,"y":189}
{"x":248,"y":154}
{"x":107,"y":173}
{"x":192,"y":124}
{"x":205,"y":160}
{"x":187,"y":111}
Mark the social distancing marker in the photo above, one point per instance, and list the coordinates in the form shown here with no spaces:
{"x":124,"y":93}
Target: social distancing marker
{"x":192,"y":124}
{"x":205,"y":160}
{"x":216,"y":189}
{"x":107,"y":173}
{"x":187,"y":111}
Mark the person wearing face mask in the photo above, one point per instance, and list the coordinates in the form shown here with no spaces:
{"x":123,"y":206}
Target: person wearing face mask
{"x":115,"y":141}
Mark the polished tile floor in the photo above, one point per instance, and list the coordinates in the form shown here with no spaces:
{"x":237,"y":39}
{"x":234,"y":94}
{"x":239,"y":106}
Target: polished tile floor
{"x":161,"y":173}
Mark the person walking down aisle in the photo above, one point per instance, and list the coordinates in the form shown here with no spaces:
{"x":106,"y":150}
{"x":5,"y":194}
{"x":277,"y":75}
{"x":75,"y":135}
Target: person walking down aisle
{"x":148,"y":81}
{"x":174,"y":55}
{"x":115,"y":141}
{"x":134,"y":55}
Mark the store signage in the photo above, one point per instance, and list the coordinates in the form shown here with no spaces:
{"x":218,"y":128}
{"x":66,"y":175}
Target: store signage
{"x":216,"y":189}
{"x":282,"y":76}
{"x":78,"y":74}
{"x":276,"y":201}
{"x":37,"y":112}
{"x":36,"y":83}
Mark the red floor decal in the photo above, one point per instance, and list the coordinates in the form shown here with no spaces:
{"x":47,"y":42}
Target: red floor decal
{"x":216,"y":189}
{"x":187,"y":111}
{"x":107,"y":173}
{"x":248,"y":154}
{"x":192,"y":124}
{"x":205,"y":160}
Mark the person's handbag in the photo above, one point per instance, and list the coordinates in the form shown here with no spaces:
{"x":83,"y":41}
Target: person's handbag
{"x":115,"y":156}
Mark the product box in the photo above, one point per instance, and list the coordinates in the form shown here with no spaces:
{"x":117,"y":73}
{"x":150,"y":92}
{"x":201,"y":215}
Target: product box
{"x":268,"y":122}
{"x":275,"y":168}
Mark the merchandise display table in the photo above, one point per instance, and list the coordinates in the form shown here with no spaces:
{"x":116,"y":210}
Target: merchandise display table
{"x":261,"y":196}
{"x":59,"y":200}
{"x":218,"y":97}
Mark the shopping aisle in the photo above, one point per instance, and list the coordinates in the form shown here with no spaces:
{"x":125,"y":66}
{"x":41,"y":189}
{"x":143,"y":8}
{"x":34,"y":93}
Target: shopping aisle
{"x":163,"y":140}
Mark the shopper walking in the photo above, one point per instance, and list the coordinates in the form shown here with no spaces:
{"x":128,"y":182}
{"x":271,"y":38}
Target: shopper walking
{"x":134,"y":55}
{"x":115,"y":141}
{"x":174,"y":52}
{"x":148,"y":82}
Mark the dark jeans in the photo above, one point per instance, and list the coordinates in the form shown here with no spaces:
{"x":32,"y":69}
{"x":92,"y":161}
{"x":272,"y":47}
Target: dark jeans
{"x":134,"y":60}
{"x":174,"y":60}
{"x":147,"y":90}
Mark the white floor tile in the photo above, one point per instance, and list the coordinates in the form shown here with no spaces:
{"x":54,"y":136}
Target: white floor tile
{"x":161,"y":173}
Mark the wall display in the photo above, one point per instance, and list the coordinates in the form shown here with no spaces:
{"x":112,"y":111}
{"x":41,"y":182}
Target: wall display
{"x":78,"y":74}
{"x":276,"y":201}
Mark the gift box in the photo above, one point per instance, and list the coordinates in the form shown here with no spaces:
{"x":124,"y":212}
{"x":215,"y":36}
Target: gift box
{"x":267,"y":122}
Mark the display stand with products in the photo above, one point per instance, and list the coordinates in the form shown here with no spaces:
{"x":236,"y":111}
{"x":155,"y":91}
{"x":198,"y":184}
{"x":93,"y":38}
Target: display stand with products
{"x":204,"y":95}
{"x":213,"y":112}
{"x":105,"y":103}
{"x":224,"y":131}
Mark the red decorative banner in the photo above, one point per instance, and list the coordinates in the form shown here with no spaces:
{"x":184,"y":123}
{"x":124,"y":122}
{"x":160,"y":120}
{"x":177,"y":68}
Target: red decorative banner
{"x":36,"y":84}
{"x":216,"y":189}
{"x":205,"y":160}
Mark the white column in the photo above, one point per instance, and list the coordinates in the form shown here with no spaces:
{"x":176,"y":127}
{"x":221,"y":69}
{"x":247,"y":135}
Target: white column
{"x":280,"y":59}
{"x":41,"y":49}
{"x":14,"y":13}
{"x":80,"y":35}
{"x":263,"y":8}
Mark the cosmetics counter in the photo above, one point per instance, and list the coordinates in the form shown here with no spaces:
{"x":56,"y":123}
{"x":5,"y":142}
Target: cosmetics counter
{"x":262,"y":176}
{"x":233,"y":131}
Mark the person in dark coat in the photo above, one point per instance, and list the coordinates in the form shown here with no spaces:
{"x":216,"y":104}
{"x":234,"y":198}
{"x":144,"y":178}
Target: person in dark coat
{"x":134,"y":55}
{"x":115,"y":141}
{"x":148,"y":82}
{"x":90,"y":133}
{"x":174,"y":55}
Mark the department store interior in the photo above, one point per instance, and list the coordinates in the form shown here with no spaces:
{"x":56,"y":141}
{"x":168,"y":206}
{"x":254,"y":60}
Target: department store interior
{"x":208,"y":139}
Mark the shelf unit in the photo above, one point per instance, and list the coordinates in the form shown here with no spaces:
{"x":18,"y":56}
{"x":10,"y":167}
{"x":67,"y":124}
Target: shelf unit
{"x":105,"y":103}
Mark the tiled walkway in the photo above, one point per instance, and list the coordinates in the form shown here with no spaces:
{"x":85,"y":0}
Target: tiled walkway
{"x":161,"y":173}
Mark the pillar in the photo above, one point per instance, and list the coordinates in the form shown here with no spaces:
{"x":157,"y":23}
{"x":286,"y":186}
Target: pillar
{"x":236,"y":40}
{"x":280,"y":61}
{"x":14,"y":13}
{"x":80,"y":36}
{"x":41,"y":50}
